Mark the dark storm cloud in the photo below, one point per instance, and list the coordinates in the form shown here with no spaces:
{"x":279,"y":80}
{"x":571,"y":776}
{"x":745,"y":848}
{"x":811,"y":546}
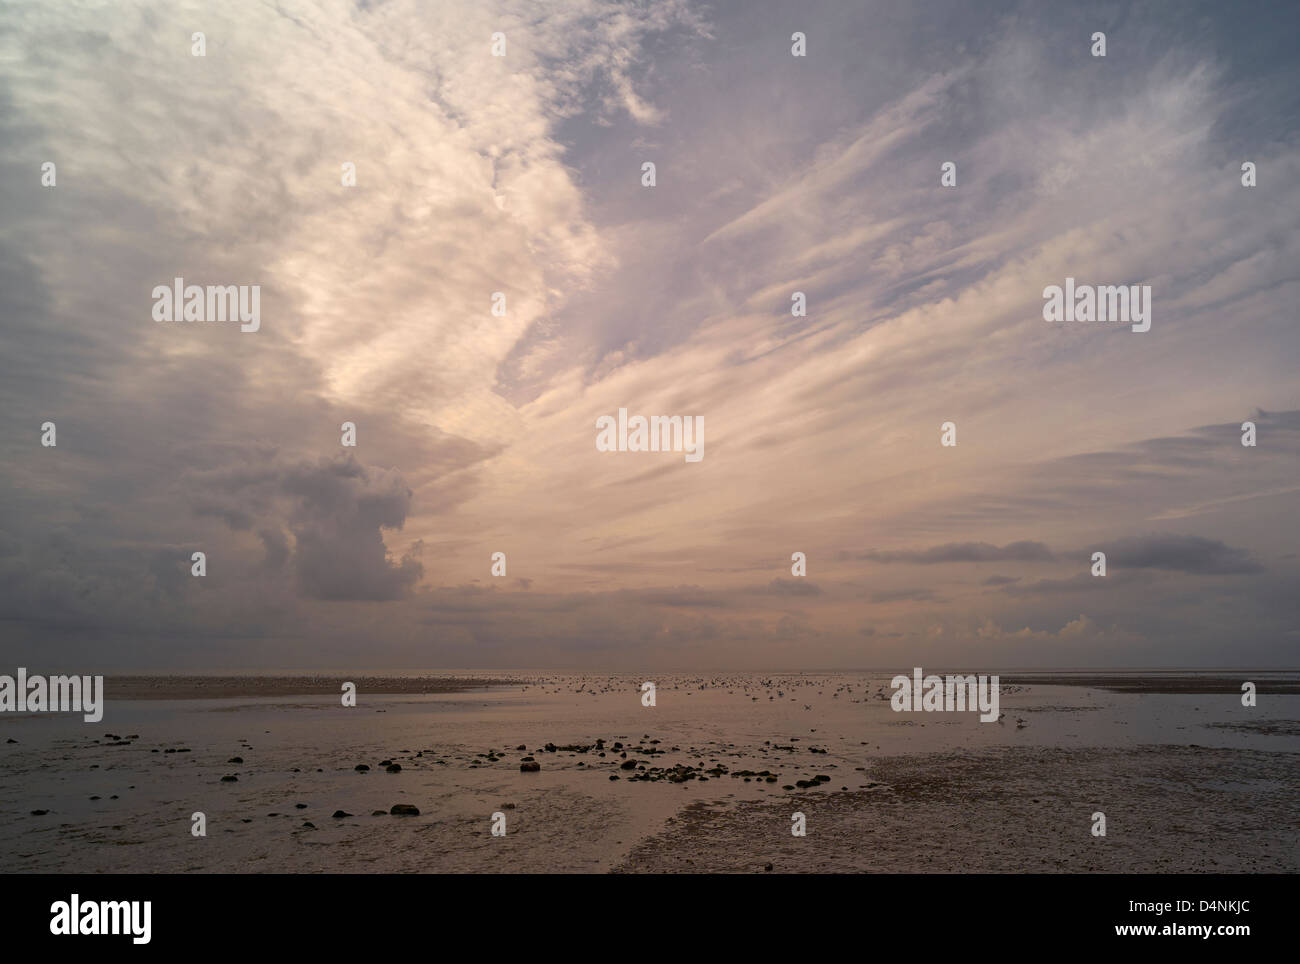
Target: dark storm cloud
{"x":336,"y":510}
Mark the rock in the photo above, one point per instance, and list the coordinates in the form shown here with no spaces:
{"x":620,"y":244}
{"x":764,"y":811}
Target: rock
{"x":394,"y":768}
{"x":308,"y":825}
{"x":338,"y":814}
{"x":236,"y":759}
{"x":521,"y":746}
{"x":361,"y":768}
{"x":230,"y":778}
{"x":378,"y":813}
{"x":629,"y":765}
{"x":529,"y":767}
{"x":39,"y":813}
{"x":767,"y":866}
{"x":404,"y":810}
{"x":301,"y":806}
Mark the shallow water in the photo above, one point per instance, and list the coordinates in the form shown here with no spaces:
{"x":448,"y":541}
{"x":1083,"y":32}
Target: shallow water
{"x":569,"y":816}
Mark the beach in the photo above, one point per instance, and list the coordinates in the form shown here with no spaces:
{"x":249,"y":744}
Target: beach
{"x":705,"y":780}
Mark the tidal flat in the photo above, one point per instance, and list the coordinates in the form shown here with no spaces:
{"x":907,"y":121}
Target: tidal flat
{"x":585,"y":778}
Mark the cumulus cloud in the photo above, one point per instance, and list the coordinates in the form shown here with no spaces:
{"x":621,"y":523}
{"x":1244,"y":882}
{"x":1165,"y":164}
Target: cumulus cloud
{"x":336,"y":510}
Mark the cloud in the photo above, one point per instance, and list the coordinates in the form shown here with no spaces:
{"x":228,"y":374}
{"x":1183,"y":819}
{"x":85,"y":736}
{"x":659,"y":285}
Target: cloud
{"x":335,"y":508}
{"x":793,"y":587}
{"x":1177,"y":553}
{"x":903,"y":595}
{"x":964,"y":552}
{"x":1079,"y":627}
{"x":521,"y":175}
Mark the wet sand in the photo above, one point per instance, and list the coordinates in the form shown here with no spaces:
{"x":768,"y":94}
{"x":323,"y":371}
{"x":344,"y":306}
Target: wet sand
{"x":590,"y":780}
{"x":1168,"y":810}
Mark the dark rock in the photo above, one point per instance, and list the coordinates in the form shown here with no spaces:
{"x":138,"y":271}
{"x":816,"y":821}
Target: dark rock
{"x":340,"y":813}
{"x":361,"y":768}
{"x":529,"y":767}
{"x":394,"y":768}
{"x":236,"y":759}
{"x":230,"y":778}
{"x":404,"y":810}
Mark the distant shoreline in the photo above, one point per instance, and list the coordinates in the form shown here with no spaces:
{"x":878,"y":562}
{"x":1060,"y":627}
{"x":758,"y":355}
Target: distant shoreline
{"x":1163,"y":684}
{"x":236,"y":687}
{"x":196,"y":687}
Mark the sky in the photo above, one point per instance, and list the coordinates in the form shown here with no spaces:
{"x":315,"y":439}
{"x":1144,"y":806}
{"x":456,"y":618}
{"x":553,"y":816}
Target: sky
{"x":522,"y":174}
